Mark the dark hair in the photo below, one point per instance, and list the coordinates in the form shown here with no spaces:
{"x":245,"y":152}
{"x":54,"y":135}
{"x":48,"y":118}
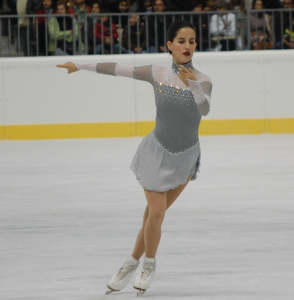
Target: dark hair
{"x":223,"y":4}
{"x":64,"y":3}
{"x":175,"y":27}
{"x":253,"y":3}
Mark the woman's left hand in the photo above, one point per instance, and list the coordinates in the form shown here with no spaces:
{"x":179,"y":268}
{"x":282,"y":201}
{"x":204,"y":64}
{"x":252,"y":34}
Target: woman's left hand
{"x":186,"y":74}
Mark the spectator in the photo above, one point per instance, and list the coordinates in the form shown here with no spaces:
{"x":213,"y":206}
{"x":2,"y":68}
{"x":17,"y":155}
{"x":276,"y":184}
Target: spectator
{"x":107,"y":42}
{"x":157,"y":26}
{"x":281,"y":27}
{"x":33,"y":6}
{"x":261,"y":27}
{"x":23,"y":23}
{"x":210,"y":5}
{"x":200,"y":22}
{"x":147,"y":5}
{"x":107,"y":5}
{"x":238,"y":5}
{"x":178,"y":5}
{"x":223,"y":27}
{"x":288,"y":39}
{"x":41,"y":25}
{"x":240,"y":11}
{"x":121,"y":7}
{"x":137,"y":6}
{"x":92,"y":19}
{"x":136,"y":34}
{"x":80,"y":9}
{"x":64,"y":30}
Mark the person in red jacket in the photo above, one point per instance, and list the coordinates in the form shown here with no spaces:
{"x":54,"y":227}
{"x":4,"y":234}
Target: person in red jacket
{"x":106,"y":37}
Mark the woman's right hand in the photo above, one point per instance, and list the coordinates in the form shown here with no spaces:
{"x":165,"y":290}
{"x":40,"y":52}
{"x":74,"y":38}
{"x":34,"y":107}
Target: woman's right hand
{"x":71,"y":67}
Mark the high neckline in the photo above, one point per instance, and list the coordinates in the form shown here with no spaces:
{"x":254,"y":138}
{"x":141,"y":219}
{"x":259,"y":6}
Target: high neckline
{"x":175,"y":67}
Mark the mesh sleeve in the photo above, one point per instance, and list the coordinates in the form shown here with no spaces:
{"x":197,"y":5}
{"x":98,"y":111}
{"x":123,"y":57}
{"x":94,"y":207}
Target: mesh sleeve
{"x":143,"y":73}
{"x":202,"y":95}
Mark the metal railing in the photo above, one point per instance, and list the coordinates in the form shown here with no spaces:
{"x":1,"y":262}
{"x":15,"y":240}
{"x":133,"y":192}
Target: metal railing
{"x":44,"y":35}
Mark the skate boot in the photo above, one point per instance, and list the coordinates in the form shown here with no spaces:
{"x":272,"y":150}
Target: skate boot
{"x":120,"y":279}
{"x":143,"y":280}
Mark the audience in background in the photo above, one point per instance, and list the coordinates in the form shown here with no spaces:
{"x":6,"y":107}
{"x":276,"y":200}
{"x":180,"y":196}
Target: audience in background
{"x":137,"y":6}
{"x":283,"y":22}
{"x":223,"y":27}
{"x":62,"y":32}
{"x":107,"y":43}
{"x":41,"y":24}
{"x":120,"y":21}
{"x":200,"y":22}
{"x":261,"y":28}
{"x":221,"y":31}
{"x":79,"y":9}
{"x":133,"y":38}
{"x":210,"y":5}
{"x":238,"y":5}
{"x":288,"y":38}
{"x":92,"y":19}
{"x":157,"y":27}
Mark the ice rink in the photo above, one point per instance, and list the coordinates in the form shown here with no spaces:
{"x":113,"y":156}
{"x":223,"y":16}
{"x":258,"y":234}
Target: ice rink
{"x":71,"y":210}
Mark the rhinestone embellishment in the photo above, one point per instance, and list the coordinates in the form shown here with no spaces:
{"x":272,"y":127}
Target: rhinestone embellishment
{"x":174,"y":153}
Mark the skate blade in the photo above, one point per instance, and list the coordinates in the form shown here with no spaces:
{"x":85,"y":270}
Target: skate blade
{"x":140,"y":292}
{"x":110,"y":290}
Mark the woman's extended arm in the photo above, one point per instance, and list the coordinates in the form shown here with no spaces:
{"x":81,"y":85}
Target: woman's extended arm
{"x":141,"y":73}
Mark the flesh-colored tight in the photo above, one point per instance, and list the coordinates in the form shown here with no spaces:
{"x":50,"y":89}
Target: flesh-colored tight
{"x":149,"y":236}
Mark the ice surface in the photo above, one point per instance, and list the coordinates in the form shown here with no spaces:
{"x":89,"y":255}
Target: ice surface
{"x":71,"y":209}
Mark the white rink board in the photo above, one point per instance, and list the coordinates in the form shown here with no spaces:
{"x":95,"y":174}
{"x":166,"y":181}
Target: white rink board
{"x":1,"y":96}
{"x":246,"y":85}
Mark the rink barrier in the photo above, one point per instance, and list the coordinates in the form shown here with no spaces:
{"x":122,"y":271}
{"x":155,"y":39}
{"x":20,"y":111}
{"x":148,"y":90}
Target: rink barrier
{"x":130,"y":129}
{"x":247,"y":98}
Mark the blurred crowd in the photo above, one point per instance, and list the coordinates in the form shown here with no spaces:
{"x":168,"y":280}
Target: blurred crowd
{"x":69,"y":27}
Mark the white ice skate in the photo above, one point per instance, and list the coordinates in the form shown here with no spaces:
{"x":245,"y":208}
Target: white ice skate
{"x":120,"y":279}
{"x":143,"y":280}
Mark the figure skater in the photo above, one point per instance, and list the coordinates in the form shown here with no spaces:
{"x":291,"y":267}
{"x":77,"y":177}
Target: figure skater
{"x":169,"y":156}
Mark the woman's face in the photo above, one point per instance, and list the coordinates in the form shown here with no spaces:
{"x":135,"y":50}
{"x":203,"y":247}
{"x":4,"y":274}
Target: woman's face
{"x":95,"y":8}
{"x":183,"y":45}
{"x":198,"y":7}
{"x":147,"y":4}
{"x":123,"y":6}
{"x":61,"y":10}
{"x":47,"y":4}
{"x":133,"y":20}
{"x":258,"y":5}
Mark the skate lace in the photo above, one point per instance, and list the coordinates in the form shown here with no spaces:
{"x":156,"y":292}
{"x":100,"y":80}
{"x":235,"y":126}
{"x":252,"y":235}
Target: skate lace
{"x":124,"y":270}
{"x":147,"y":269}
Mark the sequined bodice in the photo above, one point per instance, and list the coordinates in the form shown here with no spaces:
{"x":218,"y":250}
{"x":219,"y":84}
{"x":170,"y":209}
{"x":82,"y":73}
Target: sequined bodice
{"x":178,"y":108}
{"x":177,"y":119}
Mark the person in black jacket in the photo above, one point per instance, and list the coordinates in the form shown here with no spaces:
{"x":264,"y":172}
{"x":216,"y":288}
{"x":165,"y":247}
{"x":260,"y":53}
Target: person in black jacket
{"x":157,"y":26}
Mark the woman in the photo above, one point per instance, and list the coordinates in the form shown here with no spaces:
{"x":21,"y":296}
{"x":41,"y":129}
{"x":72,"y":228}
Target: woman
{"x":61,"y":30}
{"x":41,"y":22}
{"x":135,"y":34}
{"x":261,"y":27}
{"x":169,"y":157}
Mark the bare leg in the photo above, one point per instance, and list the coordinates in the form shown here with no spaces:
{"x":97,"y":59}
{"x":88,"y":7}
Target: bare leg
{"x":171,"y":196}
{"x":152,"y":233}
{"x":139,"y":248}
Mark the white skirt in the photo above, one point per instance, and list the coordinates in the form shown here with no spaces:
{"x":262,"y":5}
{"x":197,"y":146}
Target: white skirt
{"x":159,"y":170}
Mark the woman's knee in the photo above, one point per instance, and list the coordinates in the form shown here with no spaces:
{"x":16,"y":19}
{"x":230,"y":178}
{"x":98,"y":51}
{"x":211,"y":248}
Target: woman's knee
{"x":157,"y":216}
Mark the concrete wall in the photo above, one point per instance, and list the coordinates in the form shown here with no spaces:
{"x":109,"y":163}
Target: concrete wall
{"x":255,"y":85}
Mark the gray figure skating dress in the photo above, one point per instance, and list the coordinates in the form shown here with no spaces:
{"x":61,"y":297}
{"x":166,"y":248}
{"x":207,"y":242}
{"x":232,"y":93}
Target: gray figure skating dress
{"x":169,"y":154}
